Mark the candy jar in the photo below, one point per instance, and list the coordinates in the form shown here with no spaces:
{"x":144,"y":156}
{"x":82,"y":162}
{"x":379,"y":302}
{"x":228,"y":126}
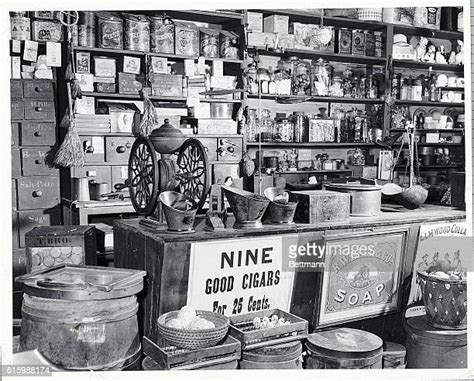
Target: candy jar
{"x":252,"y":79}
{"x":336,"y":88}
{"x":282,"y":82}
{"x":266,"y":126}
{"x":301,"y":80}
{"x":320,"y":77}
{"x":263,"y":80}
{"x":347,"y":82}
{"x":251,"y":125}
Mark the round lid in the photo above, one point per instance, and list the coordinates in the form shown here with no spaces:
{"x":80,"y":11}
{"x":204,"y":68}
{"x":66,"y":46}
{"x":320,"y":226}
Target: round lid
{"x":110,"y":16}
{"x":166,"y":131}
{"x":280,"y":352}
{"x":399,"y":38}
{"x":393,"y":349}
{"x":344,"y":342}
{"x":355,"y":186}
{"x":136,"y":18}
{"x":420,"y":327}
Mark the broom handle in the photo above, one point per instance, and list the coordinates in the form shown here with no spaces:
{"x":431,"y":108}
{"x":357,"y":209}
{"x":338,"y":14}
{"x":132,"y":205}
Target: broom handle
{"x":69,"y":99}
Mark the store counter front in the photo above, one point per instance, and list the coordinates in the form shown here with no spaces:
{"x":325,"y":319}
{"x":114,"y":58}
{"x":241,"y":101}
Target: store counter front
{"x":355,"y":273}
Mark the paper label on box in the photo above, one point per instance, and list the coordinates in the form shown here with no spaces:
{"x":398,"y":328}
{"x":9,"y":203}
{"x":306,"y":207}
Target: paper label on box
{"x":83,"y":62}
{"x":86,"y":81}
{"x":53,"y":54}
{"x":16,"y":46}
{"x":159,"y":65}
{"x":131,"y":65}
{"x":16,"y":71}
{"x":189,"y":68}
{"x":31,"y":51}
{"x":98,"y":144}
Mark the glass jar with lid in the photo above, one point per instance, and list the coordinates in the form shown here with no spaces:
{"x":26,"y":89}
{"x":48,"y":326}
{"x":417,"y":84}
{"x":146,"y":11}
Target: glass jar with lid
{"x":336,"y":89}
{"x":266,"y":126}
{"x":252,"y":79}
{"x":284,"y":129}
{"x":300,"y":127}
{"x":251,"y":125}
{"x":321,"y":73}
{"x":263,"y":79}
{"x":282,"y":82}
{"x":301,"y":79}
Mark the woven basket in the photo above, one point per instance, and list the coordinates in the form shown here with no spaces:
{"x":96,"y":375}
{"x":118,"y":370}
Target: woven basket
{"x":194,"y":339}
{"x":370,"y":14}
{"x":445,"y":301}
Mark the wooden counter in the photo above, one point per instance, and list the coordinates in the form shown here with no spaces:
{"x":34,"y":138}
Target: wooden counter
{"x":166,"y":258}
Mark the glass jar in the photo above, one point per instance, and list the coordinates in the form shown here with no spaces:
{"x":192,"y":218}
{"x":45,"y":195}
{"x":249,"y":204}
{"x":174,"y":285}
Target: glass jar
{"x":336,"y":89}
{"x":251,"y":125}
{"x":285,"y":130}
{"x":347,"y":82}
{"x":320,"y":77}
{"x":404,"y":90}
{"x":373,"y":87}
{"x":417,"y":90}
{"x":252,"y":79}
{"x":300,"y":127}
{"x":266,"y":126}
{"x":282,"y":82}
{"x":263,"y":79}
{"x":301,"y":80}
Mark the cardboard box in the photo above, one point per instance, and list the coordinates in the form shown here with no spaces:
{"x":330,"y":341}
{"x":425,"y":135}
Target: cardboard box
{"x":203,"y":110}
{"x":216,"y":126}
{"x":224,"y":82}
{"x":321,"y":206}
{"x":303,"y":37}
{"x":260,"y":39}
{"x":365,"y":171}
{"x":83,"y":62}
{"x":167,"y":85}
{"x":255,"y":21}
{"x":286,"y":41}
{"x":276,"y":24}
{"x":84,"y":105}
{"x":86,"y":81}
{"x":104,"y":67}
{"x":122,"y":116}
{"x":130,"y":83}
{"x":51,"y":31}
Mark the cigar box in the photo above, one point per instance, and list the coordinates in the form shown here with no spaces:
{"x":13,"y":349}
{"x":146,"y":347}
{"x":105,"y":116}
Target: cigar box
{"x":130,"y":83}
{"x":321,"y":205}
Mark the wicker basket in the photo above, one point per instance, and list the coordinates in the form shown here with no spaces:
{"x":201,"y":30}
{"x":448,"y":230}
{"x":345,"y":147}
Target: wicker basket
{"x":445,"y":301}
{"x":369,"y":14}
{"x":194,"y":339}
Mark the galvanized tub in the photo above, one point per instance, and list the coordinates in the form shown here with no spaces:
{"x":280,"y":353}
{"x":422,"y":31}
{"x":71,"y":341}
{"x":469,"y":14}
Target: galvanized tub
{"x":366,"y":200}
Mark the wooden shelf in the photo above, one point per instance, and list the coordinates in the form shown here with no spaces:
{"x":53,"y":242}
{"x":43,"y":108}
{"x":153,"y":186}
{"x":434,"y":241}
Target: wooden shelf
{"x":132,"y":97}
{"x":318,"y":99}
{"x":108,"y":51}
{"x":321,"y":171}
{"x":312,"y":54}
{"x":426,"y":65}
{"x":180,"y":57}
{"x":315,"y":144}
{"x":425,"y":32}
{"x":446,"y":144}
{"x":428,"y":103}
{"x":435,"y":167}
{"x":423,"y":131}
{"x":208,"y":16}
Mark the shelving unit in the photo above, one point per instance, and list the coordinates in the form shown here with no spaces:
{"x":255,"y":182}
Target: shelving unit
{"x":311,"y":145}
{"x":427,"y":65}
{"x":428,"y":103}
{"x":308,"y":98}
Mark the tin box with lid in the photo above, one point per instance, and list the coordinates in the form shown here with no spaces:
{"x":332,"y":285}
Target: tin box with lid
{"x":137,"y":32}
{"x":161,"y":34}
{"x":110,"y":30}
{"x":82,"y":317}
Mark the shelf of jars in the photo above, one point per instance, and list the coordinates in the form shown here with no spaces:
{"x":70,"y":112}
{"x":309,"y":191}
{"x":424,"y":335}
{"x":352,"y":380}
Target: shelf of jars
{"x":429,"y":103}
{"x":155,"y":98}
{"x":424,"y":131}
{"x":314,"y":54}
{"x":441,"y":144}
{"x":429,"y":33}
{"x":314,"y":171}
{"x":320,"y":99}
{"x":435,"y":166}
{"x":411,"y":64}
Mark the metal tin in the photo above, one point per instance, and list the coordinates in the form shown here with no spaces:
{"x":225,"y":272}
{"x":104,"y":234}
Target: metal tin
{"x":378,"y":44}
{"x":110,"y":26}
{"x":209,"y":42}
{"x":228,"y":45}
{"x":221,"y":110}
{"x":369,"y":43}
{"x":345,"y":41}
{"x":49,"y":31}
{"x":137,"y":32}
{"x":20,"y":27}
{"x":103,"y":87}
{"x":86,"y":29}
{"x":186,"y":39}
{"x":366,"y":199}
{"x":161,"y":35}
{"x":358,"y":42}
{"x":301,"y":127}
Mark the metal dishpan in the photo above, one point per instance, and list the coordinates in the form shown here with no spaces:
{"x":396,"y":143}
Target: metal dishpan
{"x":179,"y":221}
{"x":280,"y":213}
{"x":248,"y":207}
{"x":366,"y":200}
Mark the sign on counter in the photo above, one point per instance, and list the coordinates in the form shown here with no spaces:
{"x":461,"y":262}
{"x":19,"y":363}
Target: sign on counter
{"x":239,"y":276}
{"x":361,"y":276}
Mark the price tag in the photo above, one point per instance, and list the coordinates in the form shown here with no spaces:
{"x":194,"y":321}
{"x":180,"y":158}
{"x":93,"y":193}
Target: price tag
{"x":16,"y":46}
{"x":31,"y":51}
{"x":53,"y":54}
{"x":16,"y":63}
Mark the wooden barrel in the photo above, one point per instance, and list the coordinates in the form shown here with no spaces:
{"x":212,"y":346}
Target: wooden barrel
{"x":344,"y":348}
{"x":430,"y":347}
{"x":393,"y":355}
{"x":149,"y":364}
{"x":282,"y":356}
{"x":82,"y":334}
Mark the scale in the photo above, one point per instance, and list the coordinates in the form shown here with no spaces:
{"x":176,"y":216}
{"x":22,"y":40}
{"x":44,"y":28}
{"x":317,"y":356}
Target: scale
{"x":182,"y":167}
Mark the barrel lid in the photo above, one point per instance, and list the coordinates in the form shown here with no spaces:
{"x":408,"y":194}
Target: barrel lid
{"x":393,"y":349}
{"x":345,"y":342}
{"x":70,"y":282}
{"x":420,"y":327}
{"x":273,"y":353}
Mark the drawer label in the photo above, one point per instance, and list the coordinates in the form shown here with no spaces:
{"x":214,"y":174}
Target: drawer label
{"x":37,"y":184}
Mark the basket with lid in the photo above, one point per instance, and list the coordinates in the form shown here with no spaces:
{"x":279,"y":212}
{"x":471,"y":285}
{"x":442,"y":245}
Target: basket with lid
{"x":82,"y":317}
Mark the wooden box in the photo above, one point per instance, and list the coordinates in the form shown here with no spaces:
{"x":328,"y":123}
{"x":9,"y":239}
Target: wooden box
{"x":48,"y":246}
{"x":321,"y":205}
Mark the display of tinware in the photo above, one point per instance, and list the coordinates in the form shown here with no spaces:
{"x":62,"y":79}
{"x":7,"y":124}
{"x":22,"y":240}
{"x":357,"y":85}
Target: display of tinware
{"x":209,"y":42}
{"x":20,"y":26}
{"x":228,"y":45}
{"x":161,"y":34}
{"x":110,"y":30}
{"x":86,"y":29}
{"x":137,"y":32}
{"x":370,"y":14}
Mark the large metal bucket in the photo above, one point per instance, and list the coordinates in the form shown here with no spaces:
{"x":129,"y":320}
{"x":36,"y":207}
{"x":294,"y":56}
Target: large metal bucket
{"x":277,"y":212}
{"x":248,"y":207}
{"x":178,"y":220}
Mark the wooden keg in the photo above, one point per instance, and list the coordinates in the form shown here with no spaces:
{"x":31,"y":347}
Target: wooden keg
{"x":430,"y":347}
{"x":281,"y":356}
{"x":344,"y":348}
{"x":83,"y":317}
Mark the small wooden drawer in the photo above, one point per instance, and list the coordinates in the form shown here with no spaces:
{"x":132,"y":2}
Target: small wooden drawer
{"x":16,"y":163}
{"x":101,"y":174}
{"x":210,"y":145}
{"x":94,"y":150}
{"x":16,"y":89}
{"x":35,"y":162}
{"x":38,"y":134}
{"x":38,"y":89}
{"x":38,"y":192}
{"x":17,"y":109}
{"x":39,"y":110}
{"x":33,"y":218}
{"x":117,"y":149}
{"x":229,"y":149}
{"x":15,"y":134}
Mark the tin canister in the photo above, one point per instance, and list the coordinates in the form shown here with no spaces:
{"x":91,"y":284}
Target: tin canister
{"x":20,"y":27}
{"x":75,"y":35}
{"x":137,"y":32}
{"x":369,"y":43}
{"x":86,"y":29}
{"x":358,"y":42}
{"x":345,"y":41}
{"x":110,"y":30}
{"x":209,"y":42}
{"x":228,"y":45}
{"x":161,"y":35}
{"x":186,"y":39}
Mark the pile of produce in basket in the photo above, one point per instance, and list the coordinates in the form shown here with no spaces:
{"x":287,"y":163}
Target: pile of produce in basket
{"x":269,"y":322}
{"x":187,"y":319}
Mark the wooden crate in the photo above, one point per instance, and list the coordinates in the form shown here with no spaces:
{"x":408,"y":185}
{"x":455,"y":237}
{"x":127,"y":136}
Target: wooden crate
{"x":321,"y":205}
{"x":242,"y":328}
{"x":169,"y":357}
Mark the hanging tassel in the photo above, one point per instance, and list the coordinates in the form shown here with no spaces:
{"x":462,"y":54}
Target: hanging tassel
{"x":70,"y":153}
{"x":76,"y":91}
{"x":150,"y":116}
